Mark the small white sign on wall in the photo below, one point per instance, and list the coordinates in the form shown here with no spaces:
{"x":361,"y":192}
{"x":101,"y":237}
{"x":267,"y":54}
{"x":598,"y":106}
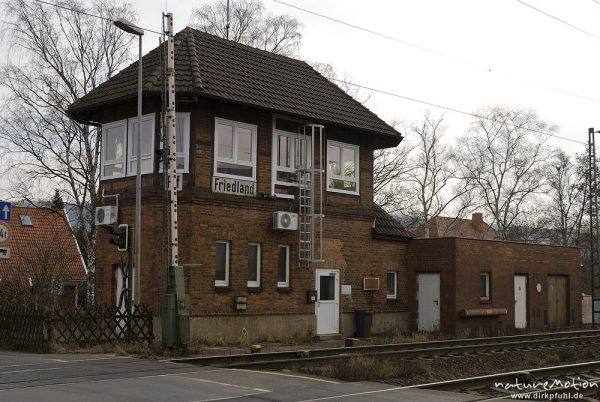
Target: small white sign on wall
{"x":233,"y":186}
{"x":346,"y":290}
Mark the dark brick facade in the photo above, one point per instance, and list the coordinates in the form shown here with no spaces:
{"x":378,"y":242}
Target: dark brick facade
{"x":205,"y":217}
{"x":460,"y":262}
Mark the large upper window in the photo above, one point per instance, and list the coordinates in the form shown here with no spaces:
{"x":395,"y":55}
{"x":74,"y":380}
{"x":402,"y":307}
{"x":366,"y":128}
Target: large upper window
{"x":182,"y":133}
{"x":147,"y":141}
{"x":292,"y":152}
{"x":119,"y":146}
{"x":113,"y":149}
{"x":342,"y":167}
{"x":235,"y":149}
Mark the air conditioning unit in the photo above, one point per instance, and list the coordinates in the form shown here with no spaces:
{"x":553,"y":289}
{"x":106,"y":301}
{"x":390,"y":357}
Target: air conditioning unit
{"x":106,"y":215}
{"x":285,"y":220}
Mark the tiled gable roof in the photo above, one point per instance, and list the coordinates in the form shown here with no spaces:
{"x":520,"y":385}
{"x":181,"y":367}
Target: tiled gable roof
{"x":45,"y":245}
{"x":386,"y":225}
{"x":206,"y":65}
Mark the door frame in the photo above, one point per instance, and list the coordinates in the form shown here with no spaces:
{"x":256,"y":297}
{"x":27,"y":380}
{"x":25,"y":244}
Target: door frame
{"x":526,"y":276}
{"x":439,"y":301}
{"x":327,"y":272}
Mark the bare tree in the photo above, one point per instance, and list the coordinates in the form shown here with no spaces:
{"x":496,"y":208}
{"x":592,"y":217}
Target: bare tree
{"x":501,"y":157}
{"x":568,"y":189}
{"x":343,"y":81}
{"x":249,"y":25}
{"x":59,"y":55}
{"x":432,"y":173}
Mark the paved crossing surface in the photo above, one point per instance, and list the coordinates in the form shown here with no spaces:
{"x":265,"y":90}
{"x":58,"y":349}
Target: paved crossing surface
{"x":60,"y":377}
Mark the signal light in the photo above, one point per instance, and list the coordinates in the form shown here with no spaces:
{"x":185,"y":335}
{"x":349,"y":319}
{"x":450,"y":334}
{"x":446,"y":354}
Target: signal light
{"x":122,"y":237}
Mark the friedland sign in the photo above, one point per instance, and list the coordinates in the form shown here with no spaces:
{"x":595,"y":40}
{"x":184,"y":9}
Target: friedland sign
{"x":233,"y":186}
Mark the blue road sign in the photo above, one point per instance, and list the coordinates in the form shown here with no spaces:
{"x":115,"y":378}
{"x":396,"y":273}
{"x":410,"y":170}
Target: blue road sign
{"x":5,"y":210}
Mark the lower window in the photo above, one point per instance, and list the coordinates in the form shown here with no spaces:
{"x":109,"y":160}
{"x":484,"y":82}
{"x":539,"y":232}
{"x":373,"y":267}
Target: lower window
{"x":391,"y":285}
{"x":484,"y":286}
{"x":222,"y":264}
{"x":283,"y":267}
{"x":253,"y":265}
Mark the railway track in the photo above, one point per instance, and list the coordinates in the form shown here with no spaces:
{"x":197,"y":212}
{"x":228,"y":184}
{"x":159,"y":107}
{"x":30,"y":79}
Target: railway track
{"x":563,"y":382}
{"x":433,"y":349}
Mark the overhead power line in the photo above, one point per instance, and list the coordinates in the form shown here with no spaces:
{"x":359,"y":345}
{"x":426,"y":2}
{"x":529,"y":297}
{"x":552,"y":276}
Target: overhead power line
{"x":451,"y":109}
{"x":560,"y":20}
{"x":431,"y":51}
{"x":88,"y":14}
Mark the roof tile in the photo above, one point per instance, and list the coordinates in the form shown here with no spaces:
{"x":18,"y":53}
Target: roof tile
{"x":215,"y":67}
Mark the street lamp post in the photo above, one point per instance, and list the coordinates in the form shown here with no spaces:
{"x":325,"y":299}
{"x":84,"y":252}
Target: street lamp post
{"x":129,"y":27}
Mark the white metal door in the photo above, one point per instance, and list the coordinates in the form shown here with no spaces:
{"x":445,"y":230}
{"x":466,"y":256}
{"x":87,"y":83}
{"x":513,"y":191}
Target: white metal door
{"x":328,"y":301}
{"x":428,"y":302}
{"x":520,"y":301}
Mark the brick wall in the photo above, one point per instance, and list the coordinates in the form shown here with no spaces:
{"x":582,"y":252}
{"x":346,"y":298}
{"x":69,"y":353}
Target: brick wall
{"x":205,"y":217}
{"x":460,"y":261}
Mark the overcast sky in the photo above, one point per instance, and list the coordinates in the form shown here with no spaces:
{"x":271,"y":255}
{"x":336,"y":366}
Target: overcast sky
{"x":479,"y":53}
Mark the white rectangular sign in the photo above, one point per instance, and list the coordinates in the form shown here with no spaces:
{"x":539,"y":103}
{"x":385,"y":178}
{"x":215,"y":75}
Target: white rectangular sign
{"x":178,"y":183}
{"x":233,"y":186}
{"x":4,"y":252}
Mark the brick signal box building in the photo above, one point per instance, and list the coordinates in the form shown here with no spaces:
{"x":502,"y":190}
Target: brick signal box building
{"x":278,"y":233}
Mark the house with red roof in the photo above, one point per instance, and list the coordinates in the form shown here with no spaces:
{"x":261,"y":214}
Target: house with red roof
{"x":41,"y":253}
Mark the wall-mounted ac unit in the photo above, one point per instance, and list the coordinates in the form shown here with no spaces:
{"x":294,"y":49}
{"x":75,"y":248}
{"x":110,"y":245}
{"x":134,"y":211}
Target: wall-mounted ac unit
{"x":106,"y":215}
{"x":285,"y":220}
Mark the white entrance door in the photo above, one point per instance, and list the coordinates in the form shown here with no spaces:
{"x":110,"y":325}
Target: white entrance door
{"x":520,"y":301}
{"x":328,"y":301}
{"x":428,"y":302}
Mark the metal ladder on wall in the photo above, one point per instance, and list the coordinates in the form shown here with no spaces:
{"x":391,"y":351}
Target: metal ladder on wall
{"x":310,"y":194}
{"x":594,"y":227}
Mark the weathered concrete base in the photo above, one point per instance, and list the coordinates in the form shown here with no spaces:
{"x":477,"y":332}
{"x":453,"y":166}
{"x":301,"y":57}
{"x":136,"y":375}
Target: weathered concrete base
{"x":229,"y":329}
{"x":384,"y":324}
{"x":248,"y":328}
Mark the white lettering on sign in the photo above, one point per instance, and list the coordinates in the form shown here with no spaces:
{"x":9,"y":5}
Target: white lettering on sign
{"x":233,"y":186}
{"x":3,"y":233}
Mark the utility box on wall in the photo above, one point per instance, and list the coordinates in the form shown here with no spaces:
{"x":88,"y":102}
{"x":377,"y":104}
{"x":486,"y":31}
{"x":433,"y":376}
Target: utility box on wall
{"x":311,"y":296}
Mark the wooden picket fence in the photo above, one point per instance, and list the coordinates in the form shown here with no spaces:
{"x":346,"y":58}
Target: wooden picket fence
{"x":32,"y":328}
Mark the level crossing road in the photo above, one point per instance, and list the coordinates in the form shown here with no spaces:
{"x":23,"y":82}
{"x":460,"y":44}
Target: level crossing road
{"x":79,"y":377}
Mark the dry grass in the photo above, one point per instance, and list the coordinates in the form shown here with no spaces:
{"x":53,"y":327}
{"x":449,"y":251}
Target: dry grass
{"x":360,"y":368}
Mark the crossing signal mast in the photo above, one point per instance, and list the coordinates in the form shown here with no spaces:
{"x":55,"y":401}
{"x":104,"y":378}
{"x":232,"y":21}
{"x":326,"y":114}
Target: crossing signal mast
{"x":594,"y":228}
{"x":174,"y":306}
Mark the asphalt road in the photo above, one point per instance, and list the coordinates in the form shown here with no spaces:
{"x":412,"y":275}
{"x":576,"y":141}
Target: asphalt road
{"x":61,"y":377}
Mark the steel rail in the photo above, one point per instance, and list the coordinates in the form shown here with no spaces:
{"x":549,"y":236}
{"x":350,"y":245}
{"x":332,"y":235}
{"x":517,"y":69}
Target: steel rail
{"x":402,"y":350}
{"x":568,"y":371}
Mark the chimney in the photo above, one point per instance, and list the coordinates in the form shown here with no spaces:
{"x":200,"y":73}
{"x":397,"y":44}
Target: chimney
{"x":477,"y":221}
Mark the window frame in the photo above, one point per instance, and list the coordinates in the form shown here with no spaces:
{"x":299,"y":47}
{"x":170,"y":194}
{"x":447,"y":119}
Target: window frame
{"x":295,"y":138}
{"x":285,"y":284}
{"x":103,"y":162}
{"x":225,"y":282}
{"x":130,"y":141}
{"x":235,"y":124}
{"x":488,"y":286}
{"x":395,"y":294}
{"x":256,"y":283}
{"x":342,"y":177}
{"x":186,"y":143}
